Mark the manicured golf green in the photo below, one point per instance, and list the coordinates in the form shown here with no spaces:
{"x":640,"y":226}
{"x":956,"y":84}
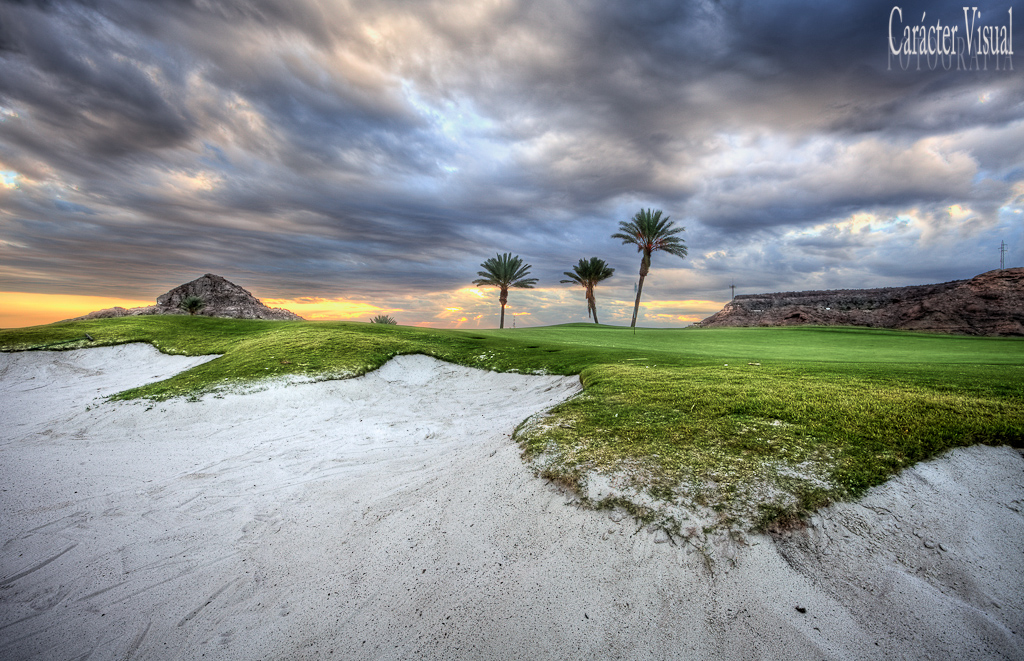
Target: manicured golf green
{"x":759,"y":425}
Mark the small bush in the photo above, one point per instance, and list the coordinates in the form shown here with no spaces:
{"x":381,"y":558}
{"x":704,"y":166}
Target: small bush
{"x":384,"y":319}
{"x":192,"y":304}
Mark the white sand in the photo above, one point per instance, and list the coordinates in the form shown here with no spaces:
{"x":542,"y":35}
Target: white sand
{"x":391,"y":517}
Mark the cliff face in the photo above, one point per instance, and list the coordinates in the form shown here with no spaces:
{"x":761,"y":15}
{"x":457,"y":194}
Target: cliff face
{"x":222,"y":298}
{"x":989,"y":304}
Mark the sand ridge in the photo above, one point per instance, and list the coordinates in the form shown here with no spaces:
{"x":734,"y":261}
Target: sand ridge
{"x":391,"y":516}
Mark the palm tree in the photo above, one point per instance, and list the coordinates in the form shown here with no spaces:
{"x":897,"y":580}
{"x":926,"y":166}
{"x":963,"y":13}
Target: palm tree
{"x":588,"y":273}
{"x":384,"y":319}
{"x":505,"y":271}
{"x":649,"y":232}
{"x":192,"y":304}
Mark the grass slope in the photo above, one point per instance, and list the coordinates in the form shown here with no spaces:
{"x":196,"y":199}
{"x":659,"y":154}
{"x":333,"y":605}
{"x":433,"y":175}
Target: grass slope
{"x":676,"y":425}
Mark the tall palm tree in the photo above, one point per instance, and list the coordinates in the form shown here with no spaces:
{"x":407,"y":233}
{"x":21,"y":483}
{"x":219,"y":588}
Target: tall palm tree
{"x":505,"y":271}
{"x":588,"y":273}
{"x":649,"y":232}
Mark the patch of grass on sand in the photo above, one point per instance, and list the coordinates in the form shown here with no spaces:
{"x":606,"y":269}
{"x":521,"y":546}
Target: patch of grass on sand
{"x":690,"y":429}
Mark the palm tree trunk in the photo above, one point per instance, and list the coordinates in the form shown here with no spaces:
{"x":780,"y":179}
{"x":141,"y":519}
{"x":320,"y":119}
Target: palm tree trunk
{"x":636,"y":306}
{"x":591,"y":304}
{"x":503,"y":299}
{"x":645,"y":268}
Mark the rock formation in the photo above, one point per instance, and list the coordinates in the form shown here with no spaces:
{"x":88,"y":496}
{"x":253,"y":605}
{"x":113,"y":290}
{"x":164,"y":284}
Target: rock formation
{"x":222,"y":299}
{"x":989,"y":304}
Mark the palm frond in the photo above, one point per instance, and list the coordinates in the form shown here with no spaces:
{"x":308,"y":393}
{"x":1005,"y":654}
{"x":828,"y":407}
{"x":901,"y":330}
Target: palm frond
{"x":505,"y":270}
{"x":589,"y":272}
{"x":649,"y":232}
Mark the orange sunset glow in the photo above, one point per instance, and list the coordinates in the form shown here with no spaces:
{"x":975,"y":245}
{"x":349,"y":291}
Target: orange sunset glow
{"x":328,"y":309}
{"x":18,"y":309}
{"x":467,"y":307}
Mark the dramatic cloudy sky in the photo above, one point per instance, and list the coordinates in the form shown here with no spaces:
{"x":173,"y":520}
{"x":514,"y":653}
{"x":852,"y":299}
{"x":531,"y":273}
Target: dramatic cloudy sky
{"x":348,"y":157}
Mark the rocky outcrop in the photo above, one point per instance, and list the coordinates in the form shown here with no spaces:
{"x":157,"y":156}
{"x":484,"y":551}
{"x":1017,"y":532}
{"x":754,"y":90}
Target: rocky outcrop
{"x":989,"y":304}
{"x":222,"y":299}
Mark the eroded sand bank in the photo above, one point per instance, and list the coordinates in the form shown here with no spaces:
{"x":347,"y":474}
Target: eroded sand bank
{"x":390,"y":516}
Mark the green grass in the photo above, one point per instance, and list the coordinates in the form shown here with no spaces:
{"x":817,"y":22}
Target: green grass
{"x":678,"y":420}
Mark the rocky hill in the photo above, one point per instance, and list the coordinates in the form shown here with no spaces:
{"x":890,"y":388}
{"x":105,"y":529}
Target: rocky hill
{"x":989,"y":304}
{"x":222,"y":298}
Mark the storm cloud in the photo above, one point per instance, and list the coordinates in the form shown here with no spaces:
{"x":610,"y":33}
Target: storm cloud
{"x":379,"y":151}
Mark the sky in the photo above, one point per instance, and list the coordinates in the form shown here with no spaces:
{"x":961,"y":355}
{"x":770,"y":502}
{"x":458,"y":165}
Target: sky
{"x":350,"y":158}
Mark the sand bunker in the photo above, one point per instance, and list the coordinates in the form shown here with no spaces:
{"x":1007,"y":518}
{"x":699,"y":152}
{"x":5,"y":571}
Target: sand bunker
{"x":391,"y":516}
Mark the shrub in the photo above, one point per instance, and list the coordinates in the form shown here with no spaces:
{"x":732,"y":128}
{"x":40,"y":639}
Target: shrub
{"x":192,"y":304}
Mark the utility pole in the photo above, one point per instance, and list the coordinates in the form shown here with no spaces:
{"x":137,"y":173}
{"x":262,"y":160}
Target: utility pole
{"x":1002,"y":255}
{"x":733,"y":288}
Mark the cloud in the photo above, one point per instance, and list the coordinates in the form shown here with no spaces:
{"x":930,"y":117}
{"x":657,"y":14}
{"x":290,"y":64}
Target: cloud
{"x":765,"y":181}
{"x":379,"y":150}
